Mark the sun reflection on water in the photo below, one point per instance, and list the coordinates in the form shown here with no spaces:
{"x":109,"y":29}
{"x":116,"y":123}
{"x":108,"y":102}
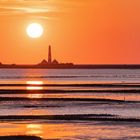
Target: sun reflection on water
{"x":34,"y":129}
{"x":35,"y":96}
{"x":34,"y":82}
{"x":34,"y":88}
{"x":35,"y":85}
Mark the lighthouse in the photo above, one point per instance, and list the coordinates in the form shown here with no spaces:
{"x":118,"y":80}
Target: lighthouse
{"x":49,"y":55}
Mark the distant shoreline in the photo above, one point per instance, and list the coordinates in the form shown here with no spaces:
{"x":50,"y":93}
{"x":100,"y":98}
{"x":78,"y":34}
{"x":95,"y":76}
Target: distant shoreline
{"x":72,"y":66}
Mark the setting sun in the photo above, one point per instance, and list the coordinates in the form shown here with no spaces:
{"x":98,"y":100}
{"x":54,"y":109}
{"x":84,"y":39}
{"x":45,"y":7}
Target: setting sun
{"x":34,"y":30}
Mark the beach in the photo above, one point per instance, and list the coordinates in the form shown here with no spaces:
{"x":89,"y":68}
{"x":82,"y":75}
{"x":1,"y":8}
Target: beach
{"x":67,"y":104}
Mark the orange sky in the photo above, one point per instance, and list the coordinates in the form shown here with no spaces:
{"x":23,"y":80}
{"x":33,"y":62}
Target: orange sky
{"x":80,"y":31}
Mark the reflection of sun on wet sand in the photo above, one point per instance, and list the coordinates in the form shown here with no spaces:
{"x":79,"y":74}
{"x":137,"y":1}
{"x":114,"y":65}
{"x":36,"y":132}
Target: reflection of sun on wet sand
{"x":34,"y":82}
{"x":39,"y":131}
{"x":35,"y":85}
{"x":35,"y":96}
{"x":34,"y":129}
{"x":34,"y":88}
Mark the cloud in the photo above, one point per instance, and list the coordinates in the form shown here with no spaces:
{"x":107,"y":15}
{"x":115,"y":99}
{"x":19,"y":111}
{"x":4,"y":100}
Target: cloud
{"x":24,"y":7}
{"x":39,"y":8}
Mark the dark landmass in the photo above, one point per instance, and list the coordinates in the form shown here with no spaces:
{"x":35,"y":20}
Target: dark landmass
{"x":71,"y":66}
{"x":20,"y":137}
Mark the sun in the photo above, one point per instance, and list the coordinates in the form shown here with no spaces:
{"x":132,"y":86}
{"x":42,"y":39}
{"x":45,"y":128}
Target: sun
{"x":34,"y":30}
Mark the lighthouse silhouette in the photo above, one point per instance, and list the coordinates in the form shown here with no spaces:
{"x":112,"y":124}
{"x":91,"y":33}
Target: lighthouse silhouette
{"x":49,"y":55}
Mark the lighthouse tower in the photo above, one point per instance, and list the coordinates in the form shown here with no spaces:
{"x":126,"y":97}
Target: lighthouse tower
{"x":49,"y":55}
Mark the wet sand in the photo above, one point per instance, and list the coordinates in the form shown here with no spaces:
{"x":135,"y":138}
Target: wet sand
{"x":34,"y":108}
{"x":77,"y":117}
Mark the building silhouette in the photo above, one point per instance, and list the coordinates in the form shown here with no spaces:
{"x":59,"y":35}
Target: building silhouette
{"x":50,"y":61}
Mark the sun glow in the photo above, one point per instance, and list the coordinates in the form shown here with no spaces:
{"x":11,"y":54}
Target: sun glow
{"x":34,"y":30}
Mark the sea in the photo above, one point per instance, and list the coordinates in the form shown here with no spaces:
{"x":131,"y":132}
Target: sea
{"x":70,"y":104}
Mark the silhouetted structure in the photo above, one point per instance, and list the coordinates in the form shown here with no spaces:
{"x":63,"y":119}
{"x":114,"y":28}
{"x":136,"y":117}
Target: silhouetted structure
{"x":44,"y":62}
{"x":49,"y":62}
{"x":49,"y":55}
{"x":55,"y":61}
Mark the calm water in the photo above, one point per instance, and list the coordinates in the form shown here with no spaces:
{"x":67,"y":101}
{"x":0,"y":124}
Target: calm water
{"x":40,"y":92}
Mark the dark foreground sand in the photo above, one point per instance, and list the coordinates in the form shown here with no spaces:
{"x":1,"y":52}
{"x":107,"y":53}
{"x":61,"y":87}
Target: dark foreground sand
{"x":81,"y":117}
{"x":19,"y":138}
